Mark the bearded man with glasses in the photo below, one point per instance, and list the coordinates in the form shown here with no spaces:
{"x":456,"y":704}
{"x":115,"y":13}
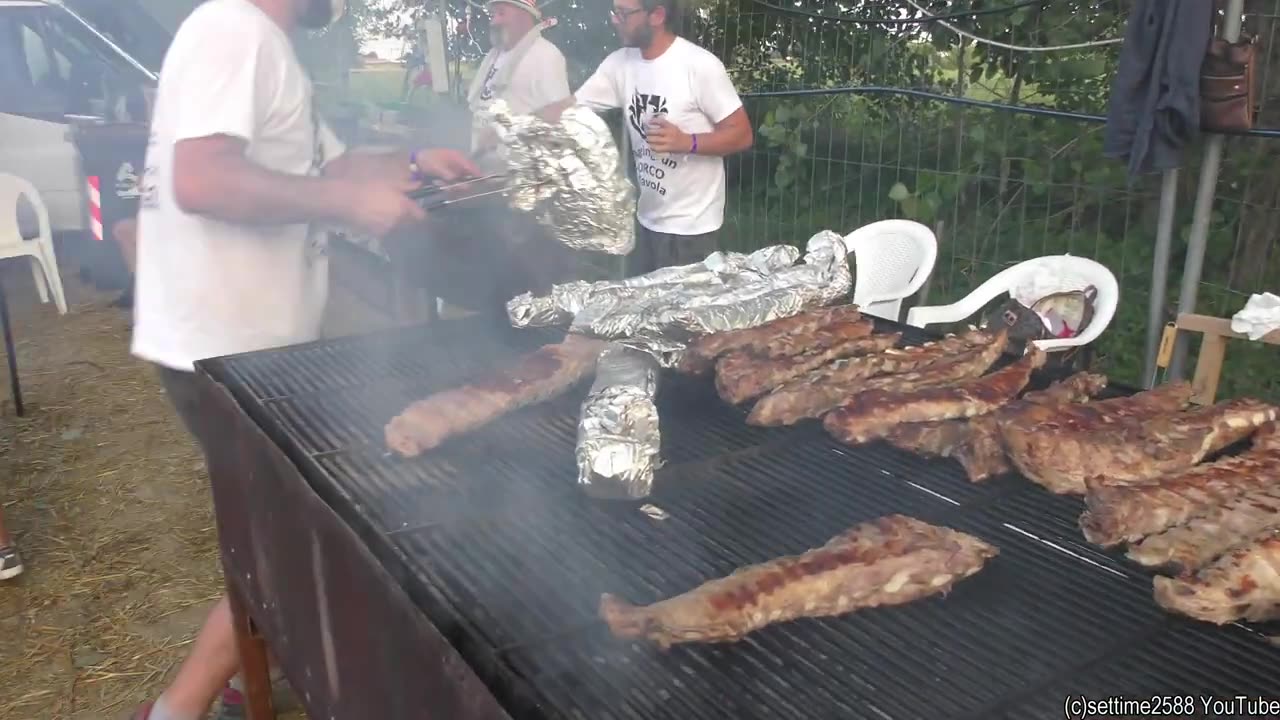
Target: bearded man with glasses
{"x":683,"y":116}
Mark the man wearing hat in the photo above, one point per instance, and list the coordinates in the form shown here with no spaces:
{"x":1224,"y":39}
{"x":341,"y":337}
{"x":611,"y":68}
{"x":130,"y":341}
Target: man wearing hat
{"x":524,"y":69}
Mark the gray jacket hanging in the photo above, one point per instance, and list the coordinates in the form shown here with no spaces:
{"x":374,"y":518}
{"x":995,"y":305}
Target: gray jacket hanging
{"x":1154,"y":109}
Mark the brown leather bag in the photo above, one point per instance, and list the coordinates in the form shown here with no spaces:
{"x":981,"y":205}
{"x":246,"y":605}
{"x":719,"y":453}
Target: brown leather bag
{"x":1228,"y":85}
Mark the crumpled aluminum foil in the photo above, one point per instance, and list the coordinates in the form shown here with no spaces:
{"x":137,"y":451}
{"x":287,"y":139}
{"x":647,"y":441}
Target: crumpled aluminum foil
{"x":618,"y":435}
{"x":741,"y":292}
{"x":718,"y":272}
{"x":568,"y":175}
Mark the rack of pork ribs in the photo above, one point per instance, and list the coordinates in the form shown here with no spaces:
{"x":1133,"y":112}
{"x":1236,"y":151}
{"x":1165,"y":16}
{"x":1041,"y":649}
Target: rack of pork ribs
{"x":1151,"y":468}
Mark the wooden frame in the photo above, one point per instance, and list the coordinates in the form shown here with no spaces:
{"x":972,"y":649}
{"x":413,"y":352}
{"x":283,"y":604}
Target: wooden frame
{"x":1213,"y":351}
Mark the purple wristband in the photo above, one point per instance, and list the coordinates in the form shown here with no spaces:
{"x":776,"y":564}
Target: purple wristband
{"x":415,"y":172}
{"x":694,"y":150}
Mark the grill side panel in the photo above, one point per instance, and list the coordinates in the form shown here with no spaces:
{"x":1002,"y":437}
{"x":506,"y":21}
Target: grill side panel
{"x":350,"y":641}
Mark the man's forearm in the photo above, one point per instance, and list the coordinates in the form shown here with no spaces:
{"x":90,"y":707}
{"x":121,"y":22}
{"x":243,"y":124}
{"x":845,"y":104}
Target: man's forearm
{"x":724,"y":141}
{"x":234,"y":189}
{"x":356,"y":165}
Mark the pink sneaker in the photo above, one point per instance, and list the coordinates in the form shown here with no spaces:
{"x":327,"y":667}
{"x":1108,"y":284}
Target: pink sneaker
{"x":232,"y":706}
{"x":143,"y":712}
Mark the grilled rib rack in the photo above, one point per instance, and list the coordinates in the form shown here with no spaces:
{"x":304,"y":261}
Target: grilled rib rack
{"x":493,"y":544}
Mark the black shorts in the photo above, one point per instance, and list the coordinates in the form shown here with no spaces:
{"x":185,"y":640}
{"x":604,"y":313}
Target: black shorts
{"x":658,"y":250}
{"x":184,"y":393}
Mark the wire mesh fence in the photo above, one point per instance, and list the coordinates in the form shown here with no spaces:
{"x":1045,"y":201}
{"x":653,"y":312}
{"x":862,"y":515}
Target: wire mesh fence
{"x":999,"y":151}
{"x":982,"y":119}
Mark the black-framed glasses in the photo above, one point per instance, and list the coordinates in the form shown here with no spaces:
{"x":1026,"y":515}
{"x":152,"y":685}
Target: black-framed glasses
{"x":625,"y":14}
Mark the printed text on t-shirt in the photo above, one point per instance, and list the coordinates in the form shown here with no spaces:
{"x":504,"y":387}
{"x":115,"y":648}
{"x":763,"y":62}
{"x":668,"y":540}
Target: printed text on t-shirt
{"x":651,"y":169}
{"x":486,"y":91}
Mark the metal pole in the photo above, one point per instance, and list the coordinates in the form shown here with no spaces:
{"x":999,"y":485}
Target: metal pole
{"x":444,"y":33}
{"x":1160,"y":272}
{"x":1204,"y":208}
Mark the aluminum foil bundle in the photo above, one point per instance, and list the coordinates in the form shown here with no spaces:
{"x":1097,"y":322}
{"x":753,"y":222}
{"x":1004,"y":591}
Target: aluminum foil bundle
{"x":568,"y":175}
{"x":583,"y":299}
{"x":664,"y":328}
{"x":726,"y":292}
{"x":618,"y":435}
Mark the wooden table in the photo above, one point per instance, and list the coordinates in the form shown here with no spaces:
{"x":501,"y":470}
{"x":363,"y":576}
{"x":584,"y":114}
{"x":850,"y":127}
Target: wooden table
{"x":1213,"y":350}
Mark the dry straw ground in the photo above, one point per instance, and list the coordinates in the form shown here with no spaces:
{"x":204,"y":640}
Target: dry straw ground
{"x":109,"y":502}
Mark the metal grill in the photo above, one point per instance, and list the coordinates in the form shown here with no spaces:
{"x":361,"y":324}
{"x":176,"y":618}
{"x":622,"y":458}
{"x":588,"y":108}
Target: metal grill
{"x":493,"y":541}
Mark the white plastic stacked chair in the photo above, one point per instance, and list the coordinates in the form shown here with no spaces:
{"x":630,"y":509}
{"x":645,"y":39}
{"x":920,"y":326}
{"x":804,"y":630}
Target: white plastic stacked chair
{"x":893,"y":259}
{"x":39,"y":249}
{"x":1072,"y":273}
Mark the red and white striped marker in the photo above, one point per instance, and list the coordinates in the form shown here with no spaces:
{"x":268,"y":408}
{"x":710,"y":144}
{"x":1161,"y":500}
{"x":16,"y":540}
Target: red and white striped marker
{"x":95,"y":207}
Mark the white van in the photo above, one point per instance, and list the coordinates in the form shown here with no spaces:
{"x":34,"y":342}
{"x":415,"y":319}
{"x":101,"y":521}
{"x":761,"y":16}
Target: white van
{"x":63,"y":59}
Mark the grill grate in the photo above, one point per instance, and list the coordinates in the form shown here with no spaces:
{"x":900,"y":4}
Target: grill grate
{"x":1172,"y":663}
{"x":490,"y":536}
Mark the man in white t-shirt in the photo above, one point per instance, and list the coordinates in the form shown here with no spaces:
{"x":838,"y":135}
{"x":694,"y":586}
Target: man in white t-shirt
{"x":239,"y":169}
{"x":524,"y":69}
{"x":527,"y":72}
{"x":683,"y":115}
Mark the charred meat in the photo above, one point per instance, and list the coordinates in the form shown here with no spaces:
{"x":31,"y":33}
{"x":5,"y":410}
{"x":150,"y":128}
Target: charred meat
{"x":1203,"y":538}
{"x":975,"y":442}
{"x":1131,"y":452}
{"x":538,"y":376}
{"x":1096,"y":416}
{"x":888,"y":561}
{"x":1118,"y":513}
{"x":776,"y":338}
{"x":873,"y":413}
{"x":815,"y":394}
{"x":984,"y":457}
{"x":1243,"y":584}
{"x":741,"y":376}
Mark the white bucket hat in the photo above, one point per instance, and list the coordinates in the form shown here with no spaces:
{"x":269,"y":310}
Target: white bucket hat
{"x":530,"y":6}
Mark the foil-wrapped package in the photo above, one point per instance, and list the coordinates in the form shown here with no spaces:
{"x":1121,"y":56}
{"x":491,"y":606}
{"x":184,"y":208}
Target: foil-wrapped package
{"x":567,"y":174}
{"x":618,"y":435}
{"x":665,"y":329}
{"x":718,"y":272}
{"x":730,"y":292}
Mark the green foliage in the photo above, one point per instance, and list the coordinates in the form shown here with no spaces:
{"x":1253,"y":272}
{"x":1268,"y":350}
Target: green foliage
{"x":996,"y":186}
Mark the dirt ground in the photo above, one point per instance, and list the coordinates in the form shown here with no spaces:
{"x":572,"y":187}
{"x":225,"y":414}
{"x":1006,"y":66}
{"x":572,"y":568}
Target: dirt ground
{"x":108,"y":500}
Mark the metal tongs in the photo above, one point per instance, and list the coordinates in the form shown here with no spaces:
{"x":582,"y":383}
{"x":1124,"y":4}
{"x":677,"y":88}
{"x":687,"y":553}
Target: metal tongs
{"x":434,"y":196}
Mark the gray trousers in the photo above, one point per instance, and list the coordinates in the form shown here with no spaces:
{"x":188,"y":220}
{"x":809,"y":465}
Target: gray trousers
{"x":658,"y":250}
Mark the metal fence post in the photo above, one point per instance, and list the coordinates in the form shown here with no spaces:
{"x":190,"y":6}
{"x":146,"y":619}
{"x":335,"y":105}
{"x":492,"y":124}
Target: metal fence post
{"x":1160,"y":273}
{"x":1203,"y":210}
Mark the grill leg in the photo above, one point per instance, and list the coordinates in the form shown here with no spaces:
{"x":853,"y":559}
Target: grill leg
{"x":253,"y":660}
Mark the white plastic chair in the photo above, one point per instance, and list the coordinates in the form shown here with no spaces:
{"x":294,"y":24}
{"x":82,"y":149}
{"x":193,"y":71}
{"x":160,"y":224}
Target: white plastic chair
{"x":1072,"y":273}
{"x":44,"y":264}
{"x":893,"y":259}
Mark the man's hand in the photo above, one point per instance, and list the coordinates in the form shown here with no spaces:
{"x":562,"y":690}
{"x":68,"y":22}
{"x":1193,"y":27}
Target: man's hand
{"x":664,"y":137}
{"x":446,"y":164}
{"x":378,"y":208}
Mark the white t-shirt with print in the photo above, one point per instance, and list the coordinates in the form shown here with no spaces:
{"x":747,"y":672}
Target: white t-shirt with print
{"x":205,"y":287}
{"x":486,"y":89}
{"x":541,"y":78}
{"x":680,"y":193}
